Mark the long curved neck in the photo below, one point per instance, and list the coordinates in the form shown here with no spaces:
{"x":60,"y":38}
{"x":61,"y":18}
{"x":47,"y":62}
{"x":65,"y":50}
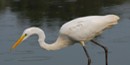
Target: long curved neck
{"x":61,"y":42}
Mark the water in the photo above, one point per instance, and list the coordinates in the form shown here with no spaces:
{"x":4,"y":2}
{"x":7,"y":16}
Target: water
{"x":17,"y":15}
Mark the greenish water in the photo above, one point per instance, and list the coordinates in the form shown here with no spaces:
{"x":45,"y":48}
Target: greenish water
{"x":17,"y":15}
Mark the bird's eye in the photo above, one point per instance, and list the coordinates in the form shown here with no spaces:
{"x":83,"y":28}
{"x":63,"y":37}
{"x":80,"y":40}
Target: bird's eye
{"x":25,"y":34}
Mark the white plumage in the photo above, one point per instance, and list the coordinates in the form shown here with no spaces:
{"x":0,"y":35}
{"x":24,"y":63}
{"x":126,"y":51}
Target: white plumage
{"x":85,"y":28}
{"x":80,"y":30}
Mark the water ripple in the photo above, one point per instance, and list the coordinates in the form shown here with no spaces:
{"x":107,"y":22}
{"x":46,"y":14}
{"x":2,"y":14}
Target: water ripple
{"x":34,"y":58}
{"x":23,"y":52}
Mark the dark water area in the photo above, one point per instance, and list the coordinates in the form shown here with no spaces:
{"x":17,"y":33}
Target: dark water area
{"x":17,"y":15}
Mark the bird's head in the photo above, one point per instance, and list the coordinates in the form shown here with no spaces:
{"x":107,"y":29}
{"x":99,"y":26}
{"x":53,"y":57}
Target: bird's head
{"x":27,"y":33}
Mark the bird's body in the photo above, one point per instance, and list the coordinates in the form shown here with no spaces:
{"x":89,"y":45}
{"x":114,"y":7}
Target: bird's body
{"x":80,"y":30}
{"x":86,"y":28}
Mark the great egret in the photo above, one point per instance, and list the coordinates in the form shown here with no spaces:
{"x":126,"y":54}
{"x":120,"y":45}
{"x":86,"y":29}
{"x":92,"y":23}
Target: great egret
{"x":80,"y":30}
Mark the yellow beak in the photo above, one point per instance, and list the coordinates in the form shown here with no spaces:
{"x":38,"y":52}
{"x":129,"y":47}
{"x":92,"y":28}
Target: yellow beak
{"x":18,"y":41}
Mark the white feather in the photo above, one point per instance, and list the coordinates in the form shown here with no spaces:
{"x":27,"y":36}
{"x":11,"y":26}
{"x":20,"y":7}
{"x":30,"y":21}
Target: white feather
{"x":79,"y":29}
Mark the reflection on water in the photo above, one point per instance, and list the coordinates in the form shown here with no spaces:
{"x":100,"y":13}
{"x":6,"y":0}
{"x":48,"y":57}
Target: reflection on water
{"x":35,"y":10}
{"x":16,"y":15}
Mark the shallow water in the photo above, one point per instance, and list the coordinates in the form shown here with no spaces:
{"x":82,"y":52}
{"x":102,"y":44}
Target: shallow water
{"x":17,"y":15}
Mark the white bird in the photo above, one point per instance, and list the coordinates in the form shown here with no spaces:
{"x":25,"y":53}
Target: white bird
{"x":80,"y":30}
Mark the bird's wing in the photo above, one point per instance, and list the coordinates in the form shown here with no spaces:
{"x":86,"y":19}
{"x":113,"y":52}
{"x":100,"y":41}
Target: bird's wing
{"x":86,"y":28}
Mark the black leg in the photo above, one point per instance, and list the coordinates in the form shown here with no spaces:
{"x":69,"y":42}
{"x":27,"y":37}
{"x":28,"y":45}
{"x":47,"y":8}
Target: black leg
{"x":89,"y":59}
{"x":105,"y":49}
